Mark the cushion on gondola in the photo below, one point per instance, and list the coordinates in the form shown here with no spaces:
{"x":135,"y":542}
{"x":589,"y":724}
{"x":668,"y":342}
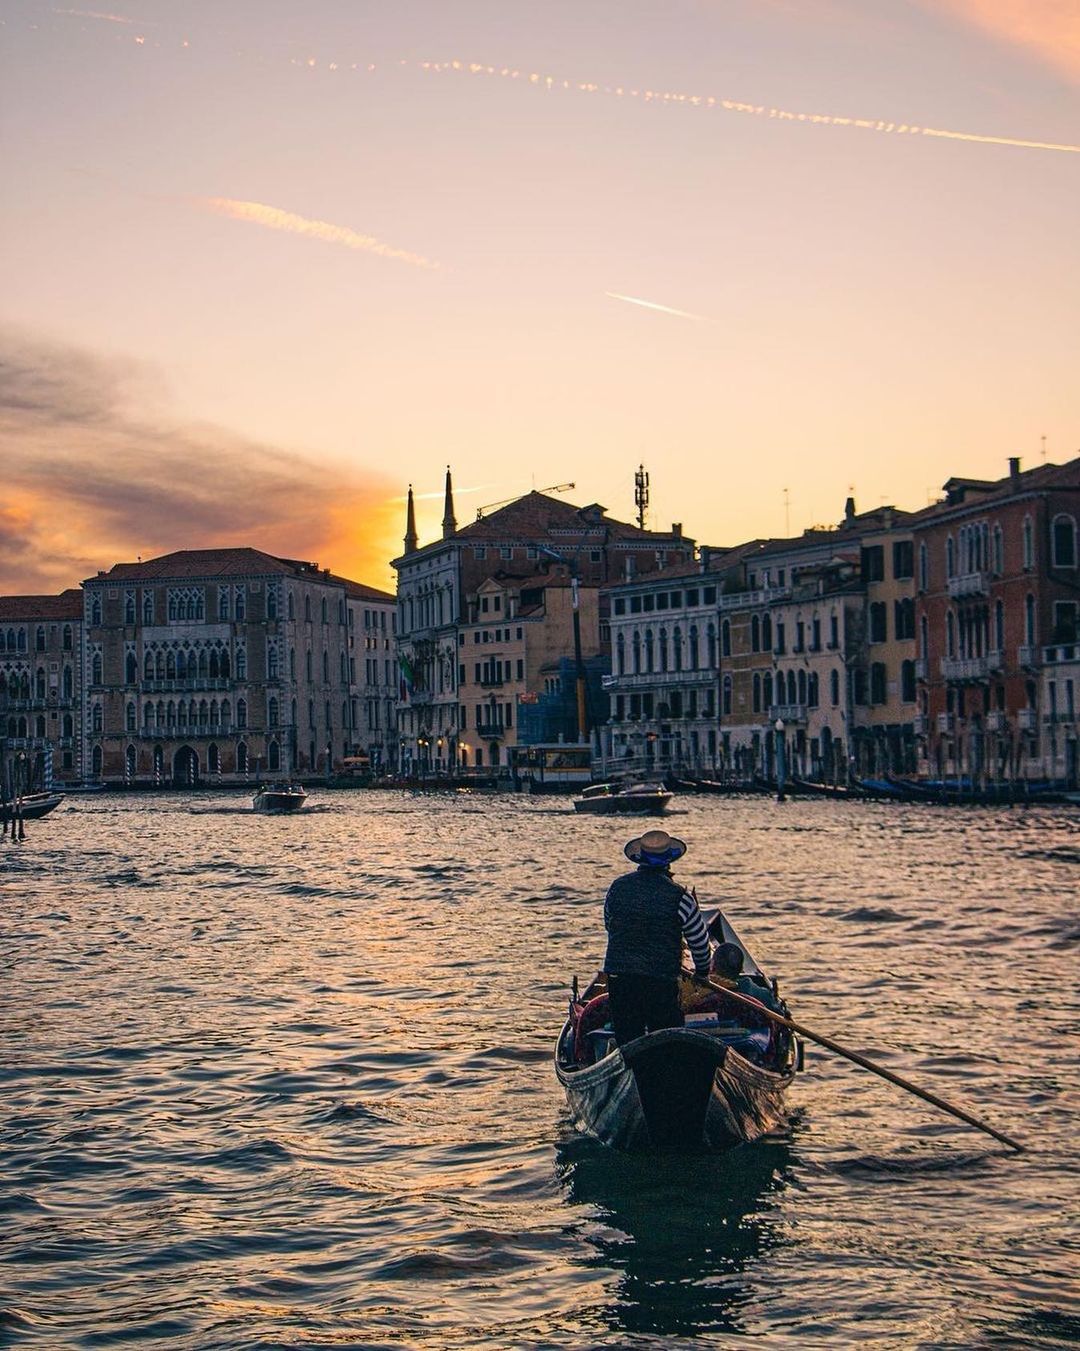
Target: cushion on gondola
{"x":593,"y":1016}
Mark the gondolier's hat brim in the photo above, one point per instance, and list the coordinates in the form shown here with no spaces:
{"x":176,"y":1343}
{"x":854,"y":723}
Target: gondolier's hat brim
{"x":655,"y":847}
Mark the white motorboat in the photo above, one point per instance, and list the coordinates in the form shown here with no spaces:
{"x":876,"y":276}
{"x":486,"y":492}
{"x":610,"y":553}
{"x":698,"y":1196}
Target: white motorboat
{"x":609,"y":799}
{"x":276,"y":798}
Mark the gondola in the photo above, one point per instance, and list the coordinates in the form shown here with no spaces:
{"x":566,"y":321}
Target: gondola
{"x":716,"y":1082}
{"x":30,"y":806}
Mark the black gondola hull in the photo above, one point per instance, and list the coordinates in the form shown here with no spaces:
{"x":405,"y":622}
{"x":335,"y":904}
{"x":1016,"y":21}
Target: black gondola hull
{"x":673,"y":1089}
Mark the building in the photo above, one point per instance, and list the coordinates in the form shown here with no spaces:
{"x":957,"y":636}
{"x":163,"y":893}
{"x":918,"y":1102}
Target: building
{"x":41,"y":687}
{"x":532,"y":541}
{"x":998,"y":588}
{"x":216,"y":665}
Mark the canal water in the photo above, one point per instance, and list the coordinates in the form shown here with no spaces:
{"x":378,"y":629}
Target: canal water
{"x":273,"y":1082}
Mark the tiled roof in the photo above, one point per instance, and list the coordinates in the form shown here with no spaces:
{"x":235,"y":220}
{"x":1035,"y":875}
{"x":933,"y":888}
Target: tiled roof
{"x":67,"y":605}
{"x":189,"y":564}
{"x":536,"y":515}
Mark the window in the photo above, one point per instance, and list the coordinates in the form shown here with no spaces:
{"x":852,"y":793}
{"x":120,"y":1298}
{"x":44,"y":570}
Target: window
{"x":834,"y":632}
{"x":1065,"y":621}
{"x":726,"y":702}
{"x":271,"y":604}
{"x":241,"y":664}
{"x":1063,"y":537}
{"x":67,"y":638}
{"x":1028,"y":539}
{"x":693,"y":654}
{"x":620,"y":605}
{"x":781,"y":641}
{"x":96,"y":718}
{"x":756,"y":694}
{"x":755,"y":634}
{"x":904,"y":618}
{"x":1029,"y":620}
{"x":766,"y":634}
{"x":725,"y":638}
{"x":924,"y":568}
{"x":95,"y":669}
{"x":39,"y":638}
{"x":873,"y":563}
{"x":131,"y":669}
{"x":129,"y":718}
{"x":877,"y":682}
{"x":95,"y":610}
{"x":950,"y":635}
{"x":903,"y":565}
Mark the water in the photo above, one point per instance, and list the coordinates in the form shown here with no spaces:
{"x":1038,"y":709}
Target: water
{"x":276,"y":1082}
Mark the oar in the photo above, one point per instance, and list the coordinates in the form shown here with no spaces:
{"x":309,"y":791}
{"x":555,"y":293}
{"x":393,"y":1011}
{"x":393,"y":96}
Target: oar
{"x":831,"y":1045}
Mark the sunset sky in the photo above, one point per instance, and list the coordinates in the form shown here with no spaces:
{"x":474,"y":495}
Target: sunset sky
{"x":266,"y":263}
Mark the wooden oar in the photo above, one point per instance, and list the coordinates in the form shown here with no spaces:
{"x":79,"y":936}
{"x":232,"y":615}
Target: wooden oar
{"x":831,"y":1045}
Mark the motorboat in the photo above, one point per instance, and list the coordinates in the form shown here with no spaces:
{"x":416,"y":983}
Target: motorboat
{"x":277,"y":798}
{"x":608,"y":799}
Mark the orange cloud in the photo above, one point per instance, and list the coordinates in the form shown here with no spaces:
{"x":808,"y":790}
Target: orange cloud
{"x":272,"y":218}
{"x":1049,"y":28}
{"x":95,"y":473}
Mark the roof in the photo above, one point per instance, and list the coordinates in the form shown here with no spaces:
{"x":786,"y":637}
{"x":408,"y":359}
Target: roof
{"x":991,"y":493}
{"x":67,"y":605}
{"x":192,"y":564}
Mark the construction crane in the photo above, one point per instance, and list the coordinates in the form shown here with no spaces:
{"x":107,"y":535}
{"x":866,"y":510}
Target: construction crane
{"x":491,"y":506}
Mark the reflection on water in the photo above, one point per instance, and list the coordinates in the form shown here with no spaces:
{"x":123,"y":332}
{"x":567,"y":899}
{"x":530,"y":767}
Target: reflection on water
{"x":680,"y":1233}
{"x":287,"y":1082}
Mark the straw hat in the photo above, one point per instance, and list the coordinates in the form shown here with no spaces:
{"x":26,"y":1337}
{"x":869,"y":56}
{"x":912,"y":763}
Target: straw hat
{"x":655,"y":847}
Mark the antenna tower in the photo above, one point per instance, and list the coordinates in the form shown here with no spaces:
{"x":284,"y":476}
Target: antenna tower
{"x":641,"y":495}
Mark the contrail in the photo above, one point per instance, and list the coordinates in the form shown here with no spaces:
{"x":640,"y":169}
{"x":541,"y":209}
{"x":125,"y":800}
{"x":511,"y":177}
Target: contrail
{"x":458,"y":492}
{"x":272,"y":218}
{"x":664,"y":309}
{"x":93,"y":14}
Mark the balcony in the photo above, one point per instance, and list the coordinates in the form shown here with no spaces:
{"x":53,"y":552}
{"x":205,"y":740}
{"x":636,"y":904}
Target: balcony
{"x":420,"y":697}
{"x":1026,"y":720}
{"x":946,"y":724}
{"x":491,"y":683}
{"x":1028,"y":657}
{"x":655,"y":680}
{"x":195,"y":683}
{"x":965,"y":668}
{"x":969,"y":584}
{"x":1063,"y":652}
{"x":186,"y":731}
{"x":492,"y":730}
{"x":788,"y":713}
{"x":755,"y":600}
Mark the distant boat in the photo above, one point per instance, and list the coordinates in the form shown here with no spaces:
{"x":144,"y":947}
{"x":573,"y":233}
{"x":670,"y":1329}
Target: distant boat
{"x":278,"y":798}
{"x":30,"y":806}
{"x":609,"y":799}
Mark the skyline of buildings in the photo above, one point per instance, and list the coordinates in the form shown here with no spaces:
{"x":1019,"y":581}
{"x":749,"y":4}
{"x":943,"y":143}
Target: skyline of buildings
{"x":937,"y":642}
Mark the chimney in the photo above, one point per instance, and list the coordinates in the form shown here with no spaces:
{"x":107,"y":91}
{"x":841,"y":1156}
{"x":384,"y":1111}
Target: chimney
{"x":410,"y":525}
{"x":849,"y":511}
{"x":676,"y":529}
{"x":449,"y":524}
{"x":1014,"y":469}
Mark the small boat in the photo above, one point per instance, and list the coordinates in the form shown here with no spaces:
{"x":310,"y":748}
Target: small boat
{"x":608,"y":799}
{"x":279,"y":797}
{"x":718,"y":1081}
{"x":30,"y":806}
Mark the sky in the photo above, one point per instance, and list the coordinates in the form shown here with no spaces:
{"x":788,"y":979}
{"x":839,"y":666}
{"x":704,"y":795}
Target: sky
{"x":265,"y":264}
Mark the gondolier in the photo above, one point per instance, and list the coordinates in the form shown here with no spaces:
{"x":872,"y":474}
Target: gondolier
{"x":647,"y":915}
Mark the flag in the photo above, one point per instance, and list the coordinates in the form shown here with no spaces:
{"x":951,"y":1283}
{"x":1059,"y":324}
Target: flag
{"x":405,"y":682}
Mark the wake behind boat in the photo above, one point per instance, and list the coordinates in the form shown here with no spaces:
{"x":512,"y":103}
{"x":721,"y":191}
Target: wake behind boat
{"x":642,"y":799}
{"x":718,"y":1081}
{"x":278,"y":798}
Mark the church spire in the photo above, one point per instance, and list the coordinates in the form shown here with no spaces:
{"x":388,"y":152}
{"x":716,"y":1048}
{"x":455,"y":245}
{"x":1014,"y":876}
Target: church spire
{"x":410,"y":525}
{"x":449,"y":522}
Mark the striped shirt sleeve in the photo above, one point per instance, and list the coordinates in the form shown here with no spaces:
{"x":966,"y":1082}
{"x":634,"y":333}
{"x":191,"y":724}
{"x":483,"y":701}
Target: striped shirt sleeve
{"x":695,"y":933}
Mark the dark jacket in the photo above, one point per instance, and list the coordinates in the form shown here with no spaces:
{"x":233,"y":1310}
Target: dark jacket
{"x":646,"y":914}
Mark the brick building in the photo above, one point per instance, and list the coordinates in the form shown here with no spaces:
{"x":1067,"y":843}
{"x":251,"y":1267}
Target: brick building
{"x":41,"y":686}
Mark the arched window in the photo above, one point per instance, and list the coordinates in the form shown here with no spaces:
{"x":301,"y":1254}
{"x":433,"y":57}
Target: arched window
{"x":725,"y":706}
{"x":241,"y":664}
{"x":241,"y":757}
{"x":291,"y":607}
{"x":181,"y":714}
{"x":129,"y":718}
{"x":801,"y":687}
{"x":95,"y":609}
{"x":129,"y":607}
{"x":204,"y":663}
{"x":307,"y":608}
{"x":311,"y":713}
{"x":1063,"y":537}
{"x":648,"y":649}
{"x":662,"y":649}
{"x":637,"y":653}
{"x":182,"y":665}
{"x":813,"y":696}
{"x":68,"y":725}
{"x":95,"y":761}
{"x":148,"y":666}
{"x":326,"y":667}
{"x":272,"y":662}
{"x":226,"y":713}
{"x":924,"y":568}
{"x":620,"y":654}
{"x":710,"y":644}
{"x":204,"y":713}
{"x":131,"y":668}
{"x":791,"y":690}
{"x":39,"y":725}
{"x":148,"y":715}
{"x":39,"y":683}
{"x":241,"y":712}
{"x":766,"y":689}
{"x":725,"y":638}
{"x":223,"y":665}
{"x":95,"y":669}
{"x":693,"y":652}
{"x":148,"y":607}
{"x":756,"y":696}
{"x":67,"y":638}
{"x":96,"y":718}
{"x":950,"y":557}
{"x":273,"y":756}
{"x":924,"y":637}
{"x":307,"y":664}
{"x":766,"y":634}
{"x":39,"y":638}
{"x":213,"y":761}
{"x":345,"y":714}
{"x":325,"y":612}
{"x":329,"y":718}
{"x":676,"y":649}
{"x":344,"y":666}
{"x":271,"y":604}
{"x":170,"y":714}
{"x":999,"y":626}
{"x":755,"y":634}
{"x":950,"y":635}
{"x":1028,"y":537}
{"x":170,"y":665}
{"x":292,"y":663}
{"x":1029,"y":620}
{"x":998,"y":561}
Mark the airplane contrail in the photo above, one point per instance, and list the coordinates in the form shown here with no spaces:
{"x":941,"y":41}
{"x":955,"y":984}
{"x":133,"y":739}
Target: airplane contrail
{"x":664,"y":309}
{"x":458,"y":492}
{"x":273,"y":218}
{"x":94,"y":14}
